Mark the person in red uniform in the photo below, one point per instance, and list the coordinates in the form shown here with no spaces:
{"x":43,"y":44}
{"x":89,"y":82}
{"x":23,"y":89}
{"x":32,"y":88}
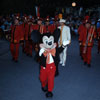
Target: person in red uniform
{"x":56,"y":22}
{"x":87,"y":41}
{"x":80,"y":32}
{"x":40,"y":29}
{"x":49,"y":27}
{"x":98,"y":32}
{"x":28,"y":41}
{"x":24,"y":24}
{"x":39,"y":26}
{"x":16,"y":37}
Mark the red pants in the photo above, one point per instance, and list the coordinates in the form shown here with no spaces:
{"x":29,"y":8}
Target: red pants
{"x":98,"y":45}
{"x":23,"y":47}
{"x":14,"y":47}
{"x":47,"y":76}
{"x":87,"y":55}
{"x":28,"y":47}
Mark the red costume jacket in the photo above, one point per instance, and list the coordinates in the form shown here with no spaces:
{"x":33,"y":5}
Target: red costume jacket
{"x":16,"y":33}
{"x":80,"y":31}
{"x":40,"y":28}
{"x":27,"y":29}
{"x":87,"y":36}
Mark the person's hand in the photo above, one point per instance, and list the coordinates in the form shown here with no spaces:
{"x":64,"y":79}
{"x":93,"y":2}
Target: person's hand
{"x":65,"y":43}
{"x":21,"y":42}
{"x":80,"y":43}
{"x":41,"y":51}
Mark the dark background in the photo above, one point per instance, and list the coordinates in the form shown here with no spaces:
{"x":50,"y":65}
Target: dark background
{"x":47,"y":6}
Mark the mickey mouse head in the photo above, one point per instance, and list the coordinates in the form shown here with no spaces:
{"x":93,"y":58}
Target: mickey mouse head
{"x":48,"y":40}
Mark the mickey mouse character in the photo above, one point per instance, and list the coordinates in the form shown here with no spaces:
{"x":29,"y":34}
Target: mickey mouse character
{"x":49,"y":58}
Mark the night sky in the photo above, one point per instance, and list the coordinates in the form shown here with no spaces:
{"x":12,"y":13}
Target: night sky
{"x":47,"y":6}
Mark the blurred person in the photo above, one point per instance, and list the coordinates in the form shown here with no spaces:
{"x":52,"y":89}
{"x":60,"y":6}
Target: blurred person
{"x":16,"y":38}
{"x":64,"y":36}
{"x":87,"y":37}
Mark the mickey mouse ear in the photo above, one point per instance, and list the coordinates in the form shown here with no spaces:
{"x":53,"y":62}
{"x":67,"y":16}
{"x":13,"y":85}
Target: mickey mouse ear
{"x":36,"y":36}
{"x":47,"y":34}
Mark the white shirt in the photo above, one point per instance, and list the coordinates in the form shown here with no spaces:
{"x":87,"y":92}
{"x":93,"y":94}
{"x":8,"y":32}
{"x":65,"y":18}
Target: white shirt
{"x":51,"y":59}
{"x":66,"y":36}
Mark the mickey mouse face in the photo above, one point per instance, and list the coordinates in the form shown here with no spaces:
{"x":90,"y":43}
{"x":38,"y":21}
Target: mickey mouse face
{"x":48,"y":41}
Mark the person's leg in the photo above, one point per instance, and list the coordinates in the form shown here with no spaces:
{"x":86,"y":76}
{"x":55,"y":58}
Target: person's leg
{"x":51,"y":69}
{"x":43,"y":77}
{"x":51,"y":76}
{"x":89,"y":56}
{"x":61,"y":57}
{"x":57,"y":70}
{"x":80,"y":50}
{"x":23,"y":47}
{"x":26,"y":46}
{"x":64,"y":56}
{"x":16,"y":51}
{"x":98,"y":46}
{"x":84,"y":55}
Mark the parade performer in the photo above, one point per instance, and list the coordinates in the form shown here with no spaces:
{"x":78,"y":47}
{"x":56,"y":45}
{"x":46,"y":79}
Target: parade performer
{"x":49,"y":57}
{"x":64,"y":36}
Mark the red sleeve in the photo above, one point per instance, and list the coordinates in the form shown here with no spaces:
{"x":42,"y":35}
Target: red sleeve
{"x":31,"y":28}
{"x":52,"y":27}
{"x":44,"y":29}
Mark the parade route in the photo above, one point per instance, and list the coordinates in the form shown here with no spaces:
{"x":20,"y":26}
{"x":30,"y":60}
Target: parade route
{"x":20,"y":81}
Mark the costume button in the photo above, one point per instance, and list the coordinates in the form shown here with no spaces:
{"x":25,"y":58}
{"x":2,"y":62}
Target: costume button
{"x":43,"y":67}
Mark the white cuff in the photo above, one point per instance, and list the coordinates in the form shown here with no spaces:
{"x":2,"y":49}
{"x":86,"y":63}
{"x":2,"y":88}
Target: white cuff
{"x":41,"y":51}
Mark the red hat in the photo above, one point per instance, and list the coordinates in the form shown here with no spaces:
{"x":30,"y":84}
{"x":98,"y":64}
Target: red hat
{"x":17,"y":17}
{"x":56,"y":18}
{"x":25,"y":17}
{"x":47,"y":18}
{"x":87,"y":19}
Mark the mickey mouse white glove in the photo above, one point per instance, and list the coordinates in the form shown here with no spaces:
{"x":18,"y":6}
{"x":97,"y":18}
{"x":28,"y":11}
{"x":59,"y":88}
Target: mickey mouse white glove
{"x":41,"y":51}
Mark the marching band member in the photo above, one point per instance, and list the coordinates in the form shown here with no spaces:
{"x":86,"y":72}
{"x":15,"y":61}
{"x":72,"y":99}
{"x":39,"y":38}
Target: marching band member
{"x":16,"y":37}
{"x":98,"y":32}
{"x":87,"y":41}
